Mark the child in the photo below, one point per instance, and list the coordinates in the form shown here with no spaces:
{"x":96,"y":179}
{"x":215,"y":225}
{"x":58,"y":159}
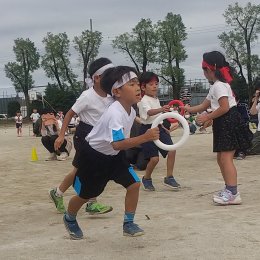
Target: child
{"x":149,"y":109}
{"x":89,"y":107}
{"x":49,"y":131}
{"x":18,"y":123}
{"x":229,"y":130}
{"x":102,"y":159}
{"x":34,"y":117}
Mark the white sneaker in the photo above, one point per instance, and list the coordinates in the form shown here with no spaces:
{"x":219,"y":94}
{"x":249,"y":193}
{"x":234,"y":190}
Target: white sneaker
{"x":62,"y":157}
{"x":226,"y":197}
{"x":52,"y":157}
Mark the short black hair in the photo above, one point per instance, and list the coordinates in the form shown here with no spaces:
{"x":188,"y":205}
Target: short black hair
{"x":111,"y":75}
{"x":147,"y":76}
{"x":97,"y":64}
{"x":257,"y":84}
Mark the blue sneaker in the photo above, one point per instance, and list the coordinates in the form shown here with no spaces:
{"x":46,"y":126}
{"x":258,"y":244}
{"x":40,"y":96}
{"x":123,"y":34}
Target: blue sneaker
{"x":73,"y":229}
{"x":171,"y":182}
{"x":132,"y":230}
{"x":148,"y":184}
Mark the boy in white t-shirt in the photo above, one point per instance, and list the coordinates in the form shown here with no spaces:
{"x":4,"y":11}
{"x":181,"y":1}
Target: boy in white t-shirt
{"x":18,"y":123}
{"x":34,"y":117}
{"x":89,"y":107}
{"x":102,"y":158}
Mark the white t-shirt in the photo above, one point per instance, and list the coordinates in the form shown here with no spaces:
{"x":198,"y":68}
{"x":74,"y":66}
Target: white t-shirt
{"x":147,"y":103}
{"x":220,"y":89}
{"x":114,"y":125}
{"x":18,"y":119}
{"x":258,"y":111}
{"x":90,"y":106}
{"x":35,"y":117}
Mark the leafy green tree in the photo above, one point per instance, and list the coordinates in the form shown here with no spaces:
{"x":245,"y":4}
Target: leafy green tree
{"x":245,"y":23}
{"x":20,"y":71}
{"x":59,"y":99}
{"x":171,"y":33}
{"x":139,"y":45}
{"x":87,"y":45}
{"x":56,"y":62}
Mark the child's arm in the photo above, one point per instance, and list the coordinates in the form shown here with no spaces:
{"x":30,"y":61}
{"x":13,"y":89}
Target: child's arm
{"x":149,"y":135}
{"x":59,"y":141}
{"x":199,"y":108}
{"x":223,"y":109}
{"x":253,"y":110}
{"x":152,"y":112}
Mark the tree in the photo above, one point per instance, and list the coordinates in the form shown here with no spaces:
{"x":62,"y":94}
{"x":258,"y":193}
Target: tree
{"x":56,"y":63}
{"x":20,"y":71}
{"x":87,"y":44}
{"x":238,"y":42}
{"x":140,"y":45}
{"x":171,"y":33}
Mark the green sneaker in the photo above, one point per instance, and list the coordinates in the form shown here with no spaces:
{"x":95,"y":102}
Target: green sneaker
{"x":96,"y":208}
{"x":58,"y":201}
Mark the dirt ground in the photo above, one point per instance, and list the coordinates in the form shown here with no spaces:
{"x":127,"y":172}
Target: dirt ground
{"x":180,"y":225}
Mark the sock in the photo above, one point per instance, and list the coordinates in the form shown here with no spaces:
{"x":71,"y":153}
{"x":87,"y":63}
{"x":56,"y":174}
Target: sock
{"x":58,"y":192}
{"x":129,"y":217}
{"x":233,"y":189}
{"x":70,"y":217}
{"x":92,"y":200}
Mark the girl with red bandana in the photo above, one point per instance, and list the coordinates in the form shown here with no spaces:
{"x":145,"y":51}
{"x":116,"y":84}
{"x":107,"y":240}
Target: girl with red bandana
{"x":229,"y":130}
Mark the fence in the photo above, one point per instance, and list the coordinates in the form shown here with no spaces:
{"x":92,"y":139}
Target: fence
{"x":5,"y":99}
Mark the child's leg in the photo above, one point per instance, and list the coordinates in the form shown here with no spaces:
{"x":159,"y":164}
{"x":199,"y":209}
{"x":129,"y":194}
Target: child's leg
{"x":170,"y":163}
{"x":150,"y":167}
{"x":67,"y":181}
{"x":227,"y":167}
{"x":131,"y":200}
{"x":69,"y":218}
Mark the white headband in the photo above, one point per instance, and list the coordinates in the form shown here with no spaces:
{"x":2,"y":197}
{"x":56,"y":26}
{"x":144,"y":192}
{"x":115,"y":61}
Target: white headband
{"x":90,"y":81}
{"x":101,"y":70}
{"x":125,"y":78}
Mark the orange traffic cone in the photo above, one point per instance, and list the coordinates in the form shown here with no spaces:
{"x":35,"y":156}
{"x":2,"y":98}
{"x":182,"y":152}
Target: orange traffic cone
{"x":34,"y":155}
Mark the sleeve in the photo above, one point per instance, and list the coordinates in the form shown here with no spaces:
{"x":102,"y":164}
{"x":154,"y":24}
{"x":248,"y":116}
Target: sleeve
{"x":221,"y":90}
{"x":80,"y":104}
{"x":143,"y":107}
{"x":116,"y":129}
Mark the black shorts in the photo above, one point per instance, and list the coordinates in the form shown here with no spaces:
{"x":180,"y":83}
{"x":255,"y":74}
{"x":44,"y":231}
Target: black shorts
{"x":231,"y":132}
{"x":82,"y":131}
{"x":97,"y":169}
{"x":150,"y":149}
{"x":18,"y":125}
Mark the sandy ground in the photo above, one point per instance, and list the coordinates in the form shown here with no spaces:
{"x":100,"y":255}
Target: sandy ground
{"x":181,"y":225}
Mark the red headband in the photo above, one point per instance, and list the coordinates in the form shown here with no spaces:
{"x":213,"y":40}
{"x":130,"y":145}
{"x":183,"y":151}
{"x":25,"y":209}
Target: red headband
{"x":225,"y":71}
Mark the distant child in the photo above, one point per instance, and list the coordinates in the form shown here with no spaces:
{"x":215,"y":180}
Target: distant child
{"x":102,"y":157}
{"x":89,"y":107}
{"x":34,"y":117}
{"x":18,"y":123}
{"x":149,"y":109}
{"x":229,"y":130}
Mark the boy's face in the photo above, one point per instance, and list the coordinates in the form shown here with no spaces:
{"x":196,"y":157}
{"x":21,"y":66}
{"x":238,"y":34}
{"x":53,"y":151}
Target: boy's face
{"x":130,"y":93}
{"x":34,"y":110}
{"x":151,"y":88}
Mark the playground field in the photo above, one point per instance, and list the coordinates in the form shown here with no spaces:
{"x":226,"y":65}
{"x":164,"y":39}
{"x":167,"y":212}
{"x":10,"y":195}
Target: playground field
{"x":178,"y":225}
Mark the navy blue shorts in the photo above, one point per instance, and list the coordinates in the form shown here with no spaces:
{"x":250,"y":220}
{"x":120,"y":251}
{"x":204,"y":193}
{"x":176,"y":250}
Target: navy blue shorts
{"x":150,"y":149}
{"x":96,"y":170}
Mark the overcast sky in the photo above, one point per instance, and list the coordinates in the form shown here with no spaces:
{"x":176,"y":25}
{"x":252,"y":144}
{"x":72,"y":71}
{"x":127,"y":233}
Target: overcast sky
{"x":33,"y":19}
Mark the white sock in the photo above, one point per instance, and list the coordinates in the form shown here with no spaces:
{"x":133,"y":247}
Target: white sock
{"x":92,"y":200}
{"x":59,"y":193}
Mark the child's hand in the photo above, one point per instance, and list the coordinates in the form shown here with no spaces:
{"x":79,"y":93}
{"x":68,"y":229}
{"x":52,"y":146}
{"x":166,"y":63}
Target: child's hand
{"x":201,"y":119}
{"x":58,"y":142}
{"x":166,"y":108}
{"x":152,"y":134}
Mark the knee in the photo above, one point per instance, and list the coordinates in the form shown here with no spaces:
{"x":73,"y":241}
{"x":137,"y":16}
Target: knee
{"x":134,"y":187}
{"x":171,"y":154}
{"x":154,"y":160}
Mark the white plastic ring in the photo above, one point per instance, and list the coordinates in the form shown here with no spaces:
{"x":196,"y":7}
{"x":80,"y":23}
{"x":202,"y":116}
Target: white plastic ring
{"x":186,"y":130}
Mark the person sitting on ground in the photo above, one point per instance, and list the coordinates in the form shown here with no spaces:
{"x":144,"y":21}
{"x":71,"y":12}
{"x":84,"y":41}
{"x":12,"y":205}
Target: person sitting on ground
{"x":49,"y":131}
